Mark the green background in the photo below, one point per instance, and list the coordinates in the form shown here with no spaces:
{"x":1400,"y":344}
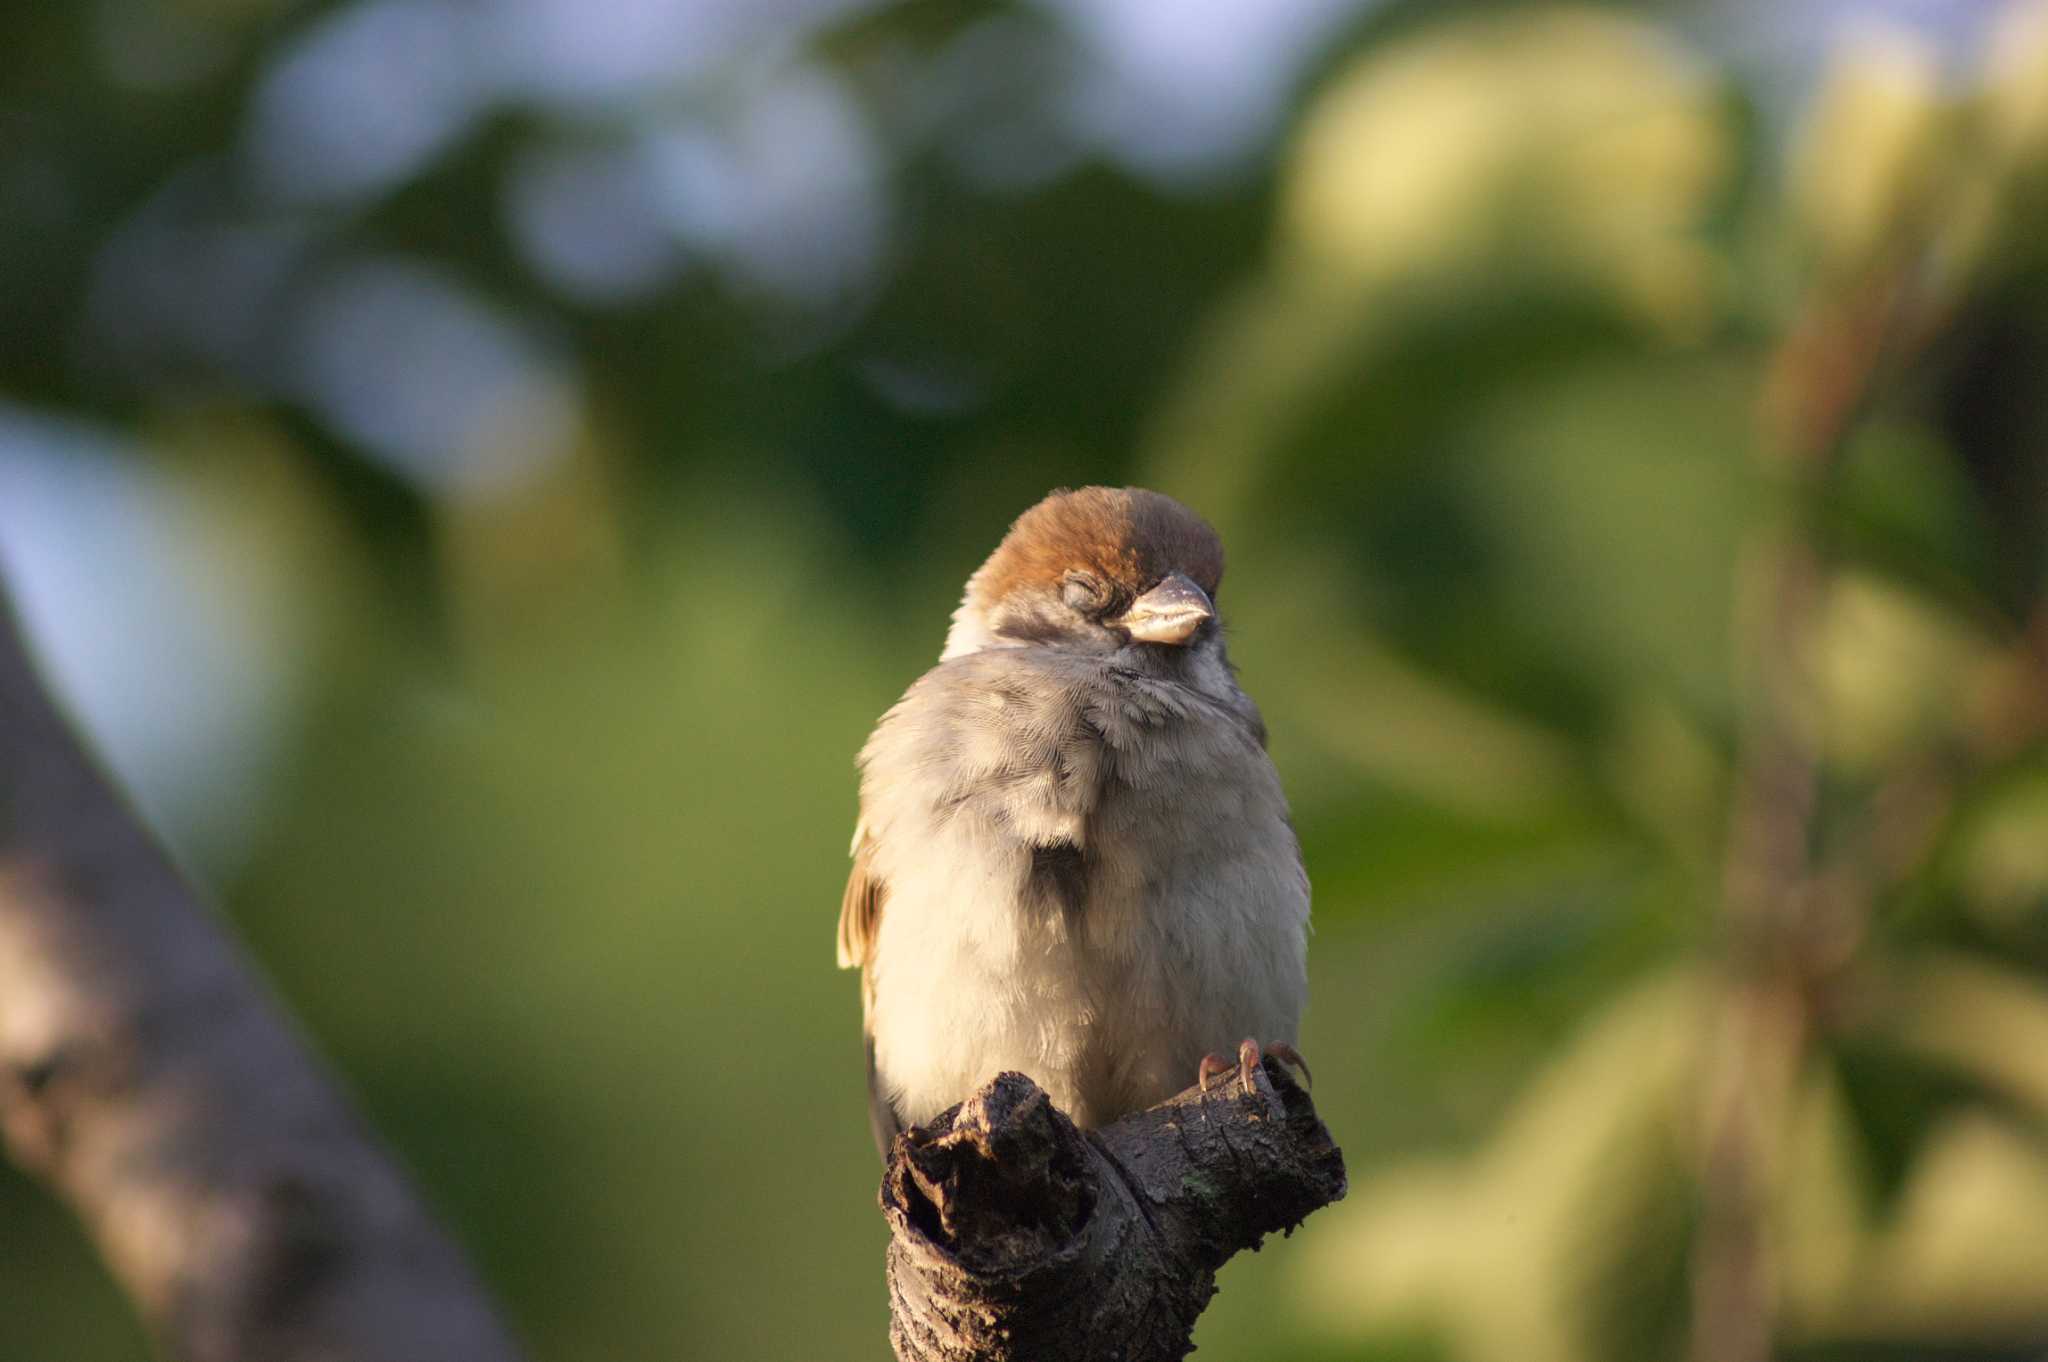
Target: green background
{"x":480,"y":500}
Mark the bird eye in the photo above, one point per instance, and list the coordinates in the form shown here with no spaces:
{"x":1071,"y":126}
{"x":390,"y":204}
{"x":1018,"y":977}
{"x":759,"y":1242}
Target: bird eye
{"x":1083,"y":591}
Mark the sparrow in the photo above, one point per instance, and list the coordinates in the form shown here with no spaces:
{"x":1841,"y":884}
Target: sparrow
{"x":1073,"y":857}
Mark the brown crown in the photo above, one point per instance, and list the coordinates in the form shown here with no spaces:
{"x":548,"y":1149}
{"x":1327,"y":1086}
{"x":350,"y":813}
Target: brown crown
{"x":1126,"y":535}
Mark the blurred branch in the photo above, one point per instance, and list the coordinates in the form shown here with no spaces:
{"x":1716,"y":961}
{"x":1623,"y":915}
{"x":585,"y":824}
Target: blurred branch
{"x":1016,"y":1236}
{"x":150,"y":1079}
{"x":1791,"y":924}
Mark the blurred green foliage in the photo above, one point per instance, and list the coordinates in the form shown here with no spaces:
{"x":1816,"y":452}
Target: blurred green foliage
{"x":1632,"y":464}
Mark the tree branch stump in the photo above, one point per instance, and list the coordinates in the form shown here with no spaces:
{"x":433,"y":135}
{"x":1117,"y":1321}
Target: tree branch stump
{"x":1016,"y":1237}
{"x":147,"y":1075}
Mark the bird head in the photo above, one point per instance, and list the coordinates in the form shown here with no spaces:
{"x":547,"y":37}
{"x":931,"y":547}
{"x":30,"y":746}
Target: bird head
{"x":1097,"y":569}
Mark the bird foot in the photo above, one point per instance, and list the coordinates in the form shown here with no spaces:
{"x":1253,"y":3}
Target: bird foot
{"x":1215,"y":1067}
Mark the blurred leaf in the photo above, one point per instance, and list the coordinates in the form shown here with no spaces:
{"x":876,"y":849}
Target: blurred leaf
{"x":1998,"y":863}
{"x":1485,"y":143}
{"x":1669,"y":778}
{"x":2016,"y":60}
{"x":1870,"y":148}
{"x":1635,"y":1262}
{"x":1895,"y":1102}
{"x":1820,"y":1209}
{"x":1891,"y":672}
{"x":1967,"y":1255}
{"x":1980,"y":1019}
{"x":1902,"y":503}
{"x":1489,"y":1250}
{"x":1617,"y":501}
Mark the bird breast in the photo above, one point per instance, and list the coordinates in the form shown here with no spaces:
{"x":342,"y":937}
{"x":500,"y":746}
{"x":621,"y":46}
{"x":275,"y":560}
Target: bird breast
{"x":1091,"y":878}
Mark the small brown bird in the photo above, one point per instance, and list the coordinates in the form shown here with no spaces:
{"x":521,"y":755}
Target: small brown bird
{"x":1074,"y":858}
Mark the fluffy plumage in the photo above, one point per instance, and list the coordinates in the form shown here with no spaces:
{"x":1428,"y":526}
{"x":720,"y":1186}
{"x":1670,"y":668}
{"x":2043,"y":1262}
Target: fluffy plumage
{"x":1073,"y":856}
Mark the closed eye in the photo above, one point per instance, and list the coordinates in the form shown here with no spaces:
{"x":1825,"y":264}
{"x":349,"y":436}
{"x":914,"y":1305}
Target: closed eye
{"x":1085,"y":592}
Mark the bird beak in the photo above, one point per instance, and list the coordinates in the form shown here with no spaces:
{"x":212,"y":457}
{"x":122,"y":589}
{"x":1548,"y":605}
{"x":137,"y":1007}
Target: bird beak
{"x":1168,"y":613}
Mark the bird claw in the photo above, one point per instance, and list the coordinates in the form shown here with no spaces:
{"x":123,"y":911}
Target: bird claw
{"x":1291,"y":1057}
{"x":1213,"y":1066}
{"x":1246,"y":1066}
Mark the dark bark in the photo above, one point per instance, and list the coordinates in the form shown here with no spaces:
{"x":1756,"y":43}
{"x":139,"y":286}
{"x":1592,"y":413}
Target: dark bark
{"x":1016,"y":1236}
{"x":151,"y":1080}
